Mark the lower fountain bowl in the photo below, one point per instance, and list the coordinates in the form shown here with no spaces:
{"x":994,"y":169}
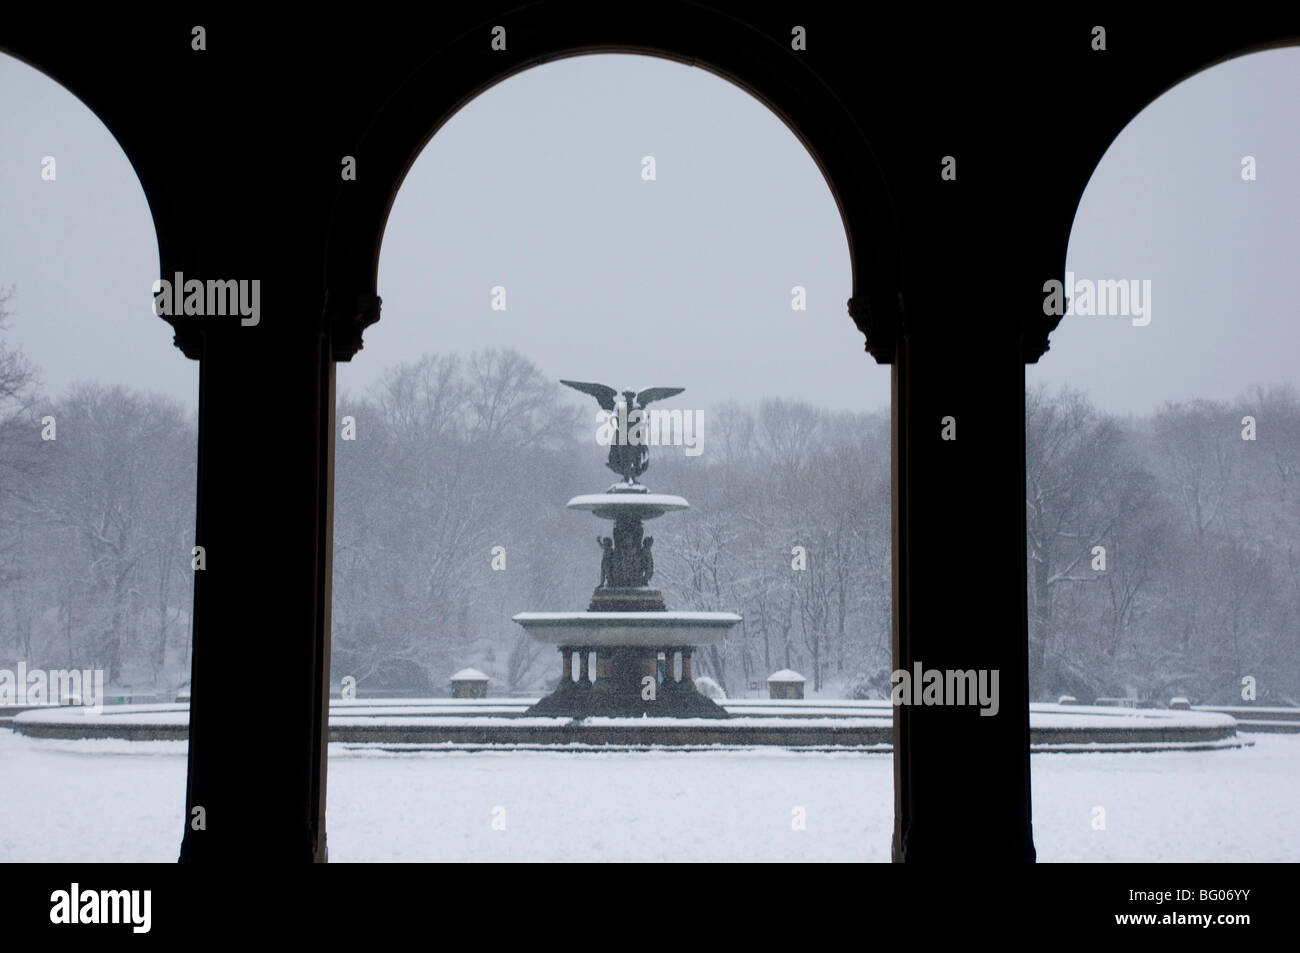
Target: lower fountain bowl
{"x":633,"y":629}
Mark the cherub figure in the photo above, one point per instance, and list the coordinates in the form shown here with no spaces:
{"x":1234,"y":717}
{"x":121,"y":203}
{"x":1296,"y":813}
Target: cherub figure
{"x":606,"y":561}
{"x":647,"y":560}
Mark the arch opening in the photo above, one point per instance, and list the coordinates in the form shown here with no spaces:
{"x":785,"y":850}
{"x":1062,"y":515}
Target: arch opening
{"x":557,"y":256}
{"x":98,"y":439}
{"x":1163,"y":429}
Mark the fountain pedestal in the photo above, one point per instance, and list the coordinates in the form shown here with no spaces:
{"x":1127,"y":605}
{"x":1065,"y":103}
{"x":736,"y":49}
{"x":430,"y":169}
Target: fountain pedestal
{"x":627,"y":626}
{"x":626,"y":623}
{"x":630,"y":682}
{"x":627,"y":599}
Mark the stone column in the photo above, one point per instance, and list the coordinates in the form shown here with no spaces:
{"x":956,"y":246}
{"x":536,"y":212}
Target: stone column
{"x":566,"y":676}
{"x":959,"y":482}
{"x":649,"y":665}
{"x":267,"y":532}
{"x":583,"y":656}
{"x":688,"y":680}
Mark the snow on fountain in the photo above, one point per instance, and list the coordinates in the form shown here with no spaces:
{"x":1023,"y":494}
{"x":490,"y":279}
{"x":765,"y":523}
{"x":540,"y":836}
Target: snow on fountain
{"x":627,"y":625}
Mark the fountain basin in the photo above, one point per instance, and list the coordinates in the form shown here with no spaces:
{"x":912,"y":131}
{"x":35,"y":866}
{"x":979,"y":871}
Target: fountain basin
{"x":645,"y":506}
{"x":631,"y":629}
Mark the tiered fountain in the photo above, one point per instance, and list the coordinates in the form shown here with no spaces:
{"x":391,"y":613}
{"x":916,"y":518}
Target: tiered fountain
{"x":627,"y":625}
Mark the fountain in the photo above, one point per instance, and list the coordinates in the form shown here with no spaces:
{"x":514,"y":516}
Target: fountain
{"x":627,"y":625}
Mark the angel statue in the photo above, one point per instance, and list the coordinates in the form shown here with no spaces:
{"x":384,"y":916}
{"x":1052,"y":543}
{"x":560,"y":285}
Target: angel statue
{"x":626,"y":459}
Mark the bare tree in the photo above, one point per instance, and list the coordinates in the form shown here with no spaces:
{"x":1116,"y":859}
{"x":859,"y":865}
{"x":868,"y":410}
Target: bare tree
{"x":1082,"y":481}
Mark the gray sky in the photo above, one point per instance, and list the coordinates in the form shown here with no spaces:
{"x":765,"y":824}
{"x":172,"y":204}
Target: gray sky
{"x":1167,"y":202}
{"x":80,"y":251}
{"x":536,"y":186}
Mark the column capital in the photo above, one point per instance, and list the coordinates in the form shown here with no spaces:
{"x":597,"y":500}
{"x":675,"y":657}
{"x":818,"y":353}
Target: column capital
{"x":348,"y":317}
{"x":881,"y":322}
{"x":1035,"y":331}
{"x":187,"y":337}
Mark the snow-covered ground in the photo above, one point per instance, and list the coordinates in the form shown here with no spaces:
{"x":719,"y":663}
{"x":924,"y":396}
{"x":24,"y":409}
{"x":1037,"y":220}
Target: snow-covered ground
{"x":119,"y":800}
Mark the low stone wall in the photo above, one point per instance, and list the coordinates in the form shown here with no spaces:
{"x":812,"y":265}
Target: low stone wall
{"x":1250,"y":719}
{"x":126,"y":731}
{"x":812,"y":725}
{"x":564,"y":732}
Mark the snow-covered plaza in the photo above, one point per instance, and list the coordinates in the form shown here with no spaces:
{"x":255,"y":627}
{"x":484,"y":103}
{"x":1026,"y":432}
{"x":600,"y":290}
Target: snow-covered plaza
{"x":108,"y":800}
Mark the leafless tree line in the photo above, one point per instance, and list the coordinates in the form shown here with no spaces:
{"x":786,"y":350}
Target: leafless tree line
{"x":96,"y":526}
{"x":1163,"y":551}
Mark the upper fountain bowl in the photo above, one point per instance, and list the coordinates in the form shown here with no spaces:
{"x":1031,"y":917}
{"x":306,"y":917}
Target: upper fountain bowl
{"x":645,"y":506}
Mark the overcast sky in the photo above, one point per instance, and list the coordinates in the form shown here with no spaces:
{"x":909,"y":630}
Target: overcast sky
{"x":537,"y":186}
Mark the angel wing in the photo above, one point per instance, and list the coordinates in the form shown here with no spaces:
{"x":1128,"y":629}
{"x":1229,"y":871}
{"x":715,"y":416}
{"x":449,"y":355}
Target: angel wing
{"x":657,"y":393}
{"x":604,"y":394}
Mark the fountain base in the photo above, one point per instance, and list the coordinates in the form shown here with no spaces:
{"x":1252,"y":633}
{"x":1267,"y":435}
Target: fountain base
{"x":626,"y":599}
{"x":629,"y":684}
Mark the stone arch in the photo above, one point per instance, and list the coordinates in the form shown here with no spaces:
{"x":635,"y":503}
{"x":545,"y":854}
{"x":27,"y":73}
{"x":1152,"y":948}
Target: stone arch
{"x":1124,"y":97}
{"x":140,"y":155}
{"x":694,"y":36}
